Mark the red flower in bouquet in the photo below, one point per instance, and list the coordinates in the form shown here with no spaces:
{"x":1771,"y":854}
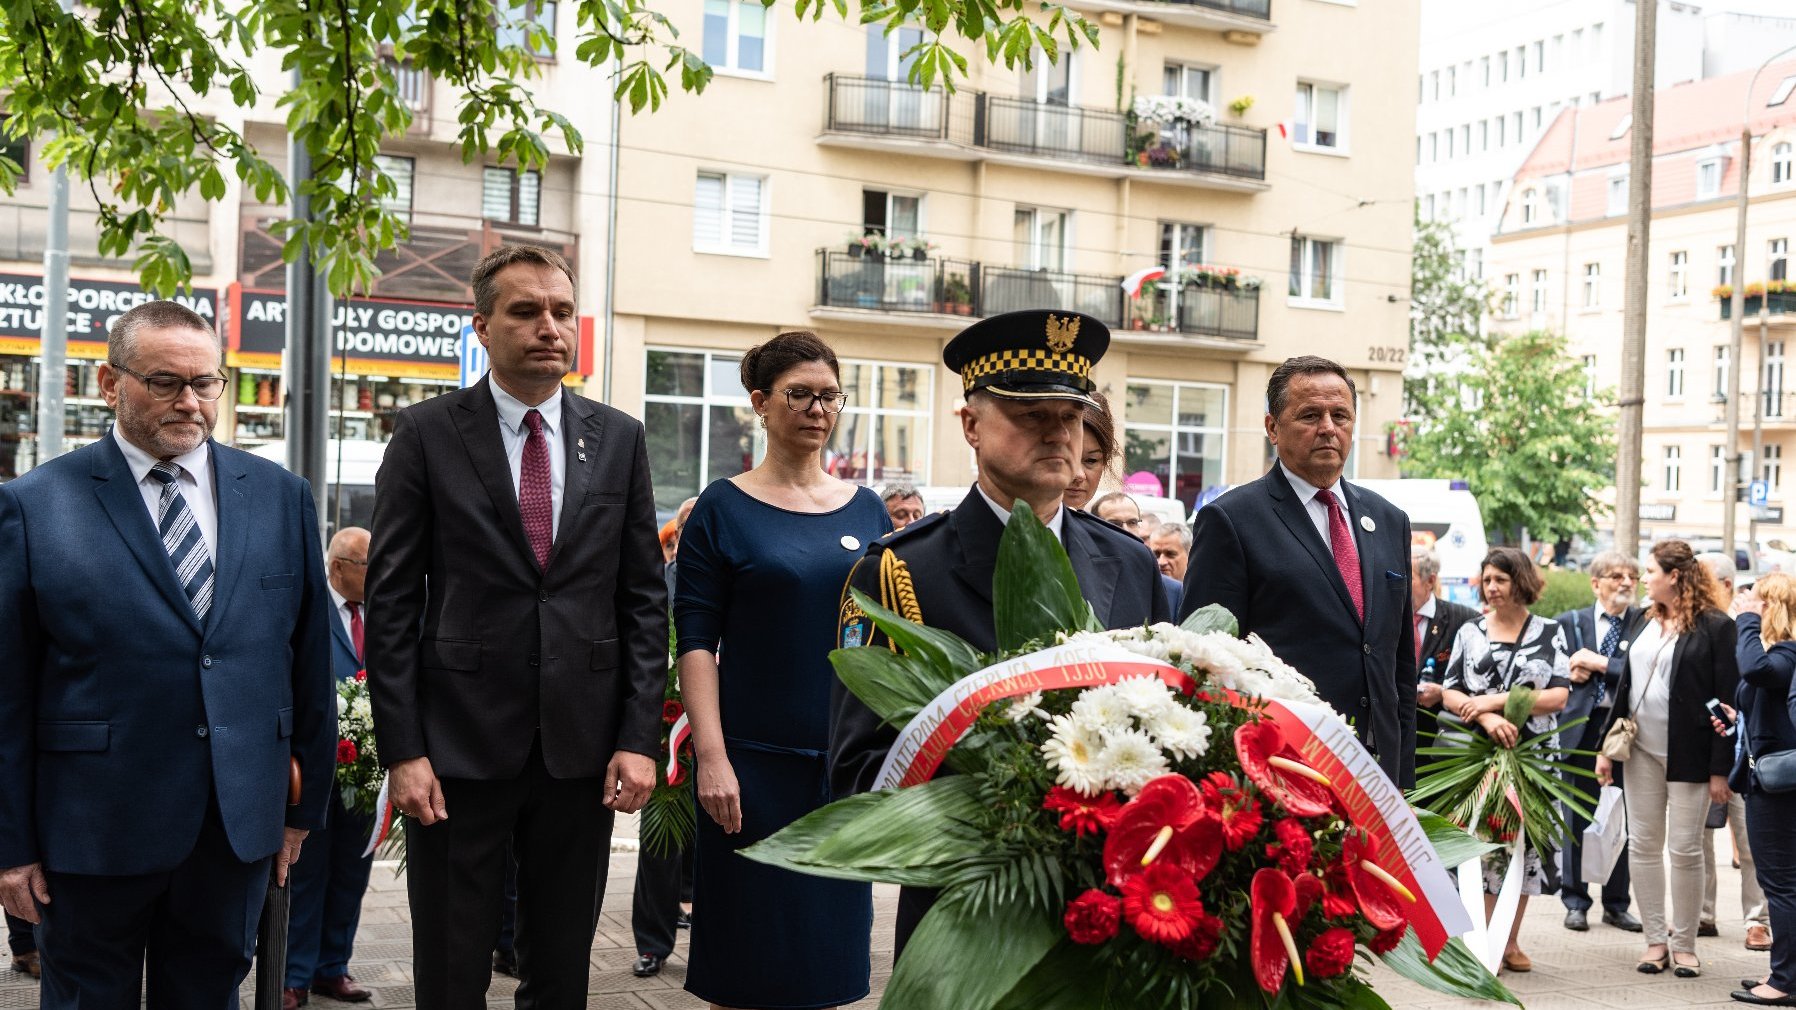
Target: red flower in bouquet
{"x":1277,"y":769}
{"x":1309,"y":891}
{"x":1239,"y":813}
{"x":1273,"y":902}
{"x":1080,"y":814}
{"x":1205,"y":937}
{"x":1380,"y":894}
{"x":361,"y":675}
{"x":1331,"y":953}
{"x":1093,"y":917}
{"x":1337,"y":900}
{"x":671,"y":711}
{"x":346,"y":752}
{"x":1162,"y":903}
{"x":1293,"y":849}
{"x":1387,"y":940}
{"x":1165,"y":822}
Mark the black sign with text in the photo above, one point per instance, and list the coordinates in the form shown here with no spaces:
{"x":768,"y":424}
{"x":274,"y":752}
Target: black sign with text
{"x":428,"y":332}
{"x":93,"y":305}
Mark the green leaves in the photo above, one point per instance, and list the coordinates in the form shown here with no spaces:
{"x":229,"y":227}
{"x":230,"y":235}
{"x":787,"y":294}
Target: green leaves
{"x":1005,"y":941}
{"x":1214,"y":617}
{"x":1451,"y":842}
{"x":1034,"y":591}
{"x":669,"y":820}
{"x":1455,"y":972}
{"x":914,"y":836}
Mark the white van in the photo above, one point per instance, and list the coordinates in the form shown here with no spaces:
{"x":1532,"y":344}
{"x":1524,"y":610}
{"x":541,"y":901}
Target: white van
{"x":352,"y":464}
{"x":1443,"y":515}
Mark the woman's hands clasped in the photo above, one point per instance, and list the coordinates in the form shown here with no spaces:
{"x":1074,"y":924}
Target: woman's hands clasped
{"x":719,"y":794}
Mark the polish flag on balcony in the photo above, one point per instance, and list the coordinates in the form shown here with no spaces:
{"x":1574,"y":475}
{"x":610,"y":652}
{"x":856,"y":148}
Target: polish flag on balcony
{"x":1131,"y":284}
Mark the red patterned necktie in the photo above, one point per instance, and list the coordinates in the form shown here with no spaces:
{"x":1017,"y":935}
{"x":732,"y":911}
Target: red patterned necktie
{"x":355,"y":628}
{"x":536,"y":501}
{"x":1340,"y":541}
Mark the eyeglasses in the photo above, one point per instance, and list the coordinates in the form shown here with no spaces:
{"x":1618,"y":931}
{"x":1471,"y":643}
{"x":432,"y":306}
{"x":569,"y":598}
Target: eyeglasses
{"x":163,"y":386}
{"x":802,"y":399}
{"x":360,"y":562}
{"x":1128,"y":524}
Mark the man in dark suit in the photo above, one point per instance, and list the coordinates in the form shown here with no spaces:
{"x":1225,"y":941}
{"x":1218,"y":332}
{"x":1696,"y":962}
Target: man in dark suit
{"x":1437,"y":621}
{"x":1317,"y":567}
{"x":326,"y":902}
{"x":1025,"y":425}
{"x":164,"y":660}
{"x":1599,"y":636}
{"x":517,"y":644}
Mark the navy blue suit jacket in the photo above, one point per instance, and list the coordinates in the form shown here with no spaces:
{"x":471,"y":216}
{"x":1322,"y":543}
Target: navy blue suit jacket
{"x":1580,"y":633}
{"x":121,"y":715}
{"x":1256,"y":552}
{"x":1762,"y":699}
{"x":343,"y":661}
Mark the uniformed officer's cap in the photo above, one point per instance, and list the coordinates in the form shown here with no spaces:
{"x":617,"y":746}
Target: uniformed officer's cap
{"x":1036,"y":354}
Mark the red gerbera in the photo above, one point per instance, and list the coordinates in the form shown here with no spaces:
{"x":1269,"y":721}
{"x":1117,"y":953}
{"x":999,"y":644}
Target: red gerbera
{"x":1205,"y":937}
{"x":671,"y":711}
{"x":1272,"y":902}
{"x":1337,"y":901}
{"x":1081,"y":814}
{"x":1331,"y":953}
{"x":1278,"y":770}
{"x":1092,"y":917}
{"x":1238,"y":812}
{"x":1380,"y":894}
{"x":346,"y":752}
{"x":1162,"y":903}
{"x":1166,"y":822}
{"x":1387,"y":940}
{"x":1294,"y":847}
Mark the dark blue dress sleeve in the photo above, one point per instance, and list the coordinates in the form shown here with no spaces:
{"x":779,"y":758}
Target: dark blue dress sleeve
{"x":704,"y":582}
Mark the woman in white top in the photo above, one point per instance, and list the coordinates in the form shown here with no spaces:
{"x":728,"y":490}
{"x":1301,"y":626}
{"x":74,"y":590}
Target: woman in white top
{"x":1682,"y":658}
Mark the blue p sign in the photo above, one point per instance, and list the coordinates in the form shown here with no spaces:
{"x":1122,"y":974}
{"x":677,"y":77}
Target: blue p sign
{"x":473,"y":357}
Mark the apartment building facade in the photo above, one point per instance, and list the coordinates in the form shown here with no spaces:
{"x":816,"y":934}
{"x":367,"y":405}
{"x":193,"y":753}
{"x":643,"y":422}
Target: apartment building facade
{"x":1558,"y":263}
{"x":813,"y":187}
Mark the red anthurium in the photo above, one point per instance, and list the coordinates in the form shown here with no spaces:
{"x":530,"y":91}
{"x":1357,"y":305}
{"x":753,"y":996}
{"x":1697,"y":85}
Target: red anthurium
{"x":1166,"y":822}
{"x":1238,"y":811}
{"x":1162,"y":903}
{"x":1277,"y":769}
{"x":1380,"y":894}
{"x":1309,"y":891}
{"x":1079,"y":813}
{"x":1273,"y":903}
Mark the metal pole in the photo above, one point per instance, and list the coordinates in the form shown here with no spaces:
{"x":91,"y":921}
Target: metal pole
{"x":308,"y":358}
{"x":617,"y":109}
{"x":1758,"y":440}
{"x":53,"y":346}
{"x":1633,"y":344}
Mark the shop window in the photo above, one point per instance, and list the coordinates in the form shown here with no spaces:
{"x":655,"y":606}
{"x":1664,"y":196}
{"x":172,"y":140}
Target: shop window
{"x":1177,"y":431}
{"x":698,"y":422}
{"x":511,"y":197}
{"x":85,"y":415}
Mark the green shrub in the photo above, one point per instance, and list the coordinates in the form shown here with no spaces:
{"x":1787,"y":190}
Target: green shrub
{"x":1565,"y":590}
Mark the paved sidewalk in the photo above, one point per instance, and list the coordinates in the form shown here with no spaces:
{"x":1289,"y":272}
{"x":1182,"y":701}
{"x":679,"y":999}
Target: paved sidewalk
{"x":1572,"y":970}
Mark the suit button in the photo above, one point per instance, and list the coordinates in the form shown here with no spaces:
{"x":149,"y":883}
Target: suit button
{"x":1365,"y":703}
{"x":1366,"y":647}
{"x":533,"y":660}
{"x":206,"y":661}
{"x":201,"y":732}
{"x":542,"y":596}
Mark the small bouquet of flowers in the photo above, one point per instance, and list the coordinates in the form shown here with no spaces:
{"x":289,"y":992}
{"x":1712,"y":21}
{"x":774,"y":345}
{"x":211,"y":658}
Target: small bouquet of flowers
{"x":1152,"y":817}
{"x":359,"y":775}
{"x":671,"y":814}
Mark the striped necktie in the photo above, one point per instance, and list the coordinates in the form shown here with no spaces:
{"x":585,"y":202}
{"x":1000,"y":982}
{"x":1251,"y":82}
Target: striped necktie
{"x":181,"y":539}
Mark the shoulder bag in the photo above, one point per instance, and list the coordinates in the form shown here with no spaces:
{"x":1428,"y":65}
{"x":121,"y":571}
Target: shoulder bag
{"x":1618,"y":743}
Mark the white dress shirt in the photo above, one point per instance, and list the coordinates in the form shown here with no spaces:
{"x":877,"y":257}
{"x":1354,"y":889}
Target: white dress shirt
{"x":1054,"y":525}
{"x":514,"y":433}
{"x":194,"y":481}
{"x":1306,"y":493}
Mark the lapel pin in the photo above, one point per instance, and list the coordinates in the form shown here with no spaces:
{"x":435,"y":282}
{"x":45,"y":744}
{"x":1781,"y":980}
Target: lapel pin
{"x":580,"y":443}
{"x":1367,"y":524}
{"x":849,"y":543}
{"x":582,"y":457}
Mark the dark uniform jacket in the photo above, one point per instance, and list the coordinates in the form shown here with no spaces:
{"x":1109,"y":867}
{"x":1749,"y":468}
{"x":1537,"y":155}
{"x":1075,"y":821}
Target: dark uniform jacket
{"x":951,"y":557}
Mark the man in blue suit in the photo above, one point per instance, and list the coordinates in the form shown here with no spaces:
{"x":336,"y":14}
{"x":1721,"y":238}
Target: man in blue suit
{"x":164,"y":658}
{"x":328,"y":885}
{"x":1317,"y":567}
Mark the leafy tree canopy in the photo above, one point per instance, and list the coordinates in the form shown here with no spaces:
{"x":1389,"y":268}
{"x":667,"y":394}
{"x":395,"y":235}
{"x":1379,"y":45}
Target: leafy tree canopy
{"x":1522,"y":432}
{"x":114,"y":87}
{"x":1446,"y":313}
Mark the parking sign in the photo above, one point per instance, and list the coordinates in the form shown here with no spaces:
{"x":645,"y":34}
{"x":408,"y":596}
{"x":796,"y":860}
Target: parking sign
{"x":473,"y":357}
{"x":1758,"y":492}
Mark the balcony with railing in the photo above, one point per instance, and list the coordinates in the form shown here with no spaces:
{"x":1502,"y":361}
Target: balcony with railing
{"x":976,"y":126}
{"x":1253,"y":17}
{"x":901,"y":289}
{"x":1774,"y":303}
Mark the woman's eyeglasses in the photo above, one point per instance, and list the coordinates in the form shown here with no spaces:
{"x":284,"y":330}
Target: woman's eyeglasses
{"x":802,"y":399}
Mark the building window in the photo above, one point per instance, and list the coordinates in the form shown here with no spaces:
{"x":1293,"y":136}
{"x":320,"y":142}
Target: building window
{"x":1539,"y":291}
{"x":1618,"y":194}
{"x":1449,"y":134}
{"x":1540,"y":58}
{"x":1483,"y":134}
{"x":729,"y":214}
{"x":736,"y":36}
{"x":1177,"y":431}
{"x":1774,"y":379}
{"x":1589,"y":369}
{"x":1452,"y":82}
{"x":1434,"y":147}
{"x":16,"y":151}
{"x":1484,"y":69}
{"x":1708,"y":178}
{"x":883,"y":433}
{"x":1476,"y":258}
{"x":1512,"y":295}
{"x":1530,"y":205}
{"x":1724,"y":261}
{"x":1717,"y":468}
{"x":698,"y":422}
{"x":1321,"y":117}
{"x":1777,"y":253}
{"x":1515,"y":123}
{"x":1593,"y":285}
{"x":893,"y":215}
{"x":510,"y":196}
{"x":1465,"y":138}
{"x":1680,"y":276}
{"x":399,"y":169}
{"x":1721,"y":355}
{"x":1674,"y":373}
{"x":1782,"y":94}
{"x":1771,"y":471}
{"x":1315,"y":271}
{"x":1478,"y":192}
{"x":540,"y":13}
{"x":1181,"y":245}
{"x":1502,"y":130}
{"x":1183,"y":80}
{"x":1040,"y":236}
{"x":1674,"y":468}
{"x":1621,"y":126}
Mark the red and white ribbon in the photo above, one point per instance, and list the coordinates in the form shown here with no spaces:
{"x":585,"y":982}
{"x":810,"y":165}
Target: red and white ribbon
{"x":383,"y":818}
{"x":682,"y":728}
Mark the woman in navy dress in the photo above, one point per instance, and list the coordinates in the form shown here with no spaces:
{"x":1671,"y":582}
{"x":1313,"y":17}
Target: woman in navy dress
{"x":762,"y":561}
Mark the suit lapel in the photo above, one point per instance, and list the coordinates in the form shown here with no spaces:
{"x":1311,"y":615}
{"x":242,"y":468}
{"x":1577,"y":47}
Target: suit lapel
{"x":1097,"y":573}
{"x":978,"y":531}
{"x":477,"y":419}
{"x":580,"y":431}
{"x":123,"y":502}
{"x":1296,"y":518}
{"x":233,"y":519}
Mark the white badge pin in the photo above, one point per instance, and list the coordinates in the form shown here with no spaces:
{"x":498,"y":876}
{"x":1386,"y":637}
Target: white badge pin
{"x":849,"y":543}
{"x":1367,"y":524}
{"x":1622,"y":645}
{"x":580,"y":443}
{"x":582,"y":457}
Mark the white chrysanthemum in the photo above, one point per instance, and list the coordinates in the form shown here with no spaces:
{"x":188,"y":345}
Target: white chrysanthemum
{"x":1129,"y":760}
{"x":1182,"y":732}
{"x":1147,"y":697}
{"x":1104,"y":707}
{"x":1024,"y":707}
{"x":342,"y":706}
{"x":1074,"y":751}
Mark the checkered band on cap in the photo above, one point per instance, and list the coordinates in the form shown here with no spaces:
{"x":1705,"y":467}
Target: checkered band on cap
{"x":1002,"y":362}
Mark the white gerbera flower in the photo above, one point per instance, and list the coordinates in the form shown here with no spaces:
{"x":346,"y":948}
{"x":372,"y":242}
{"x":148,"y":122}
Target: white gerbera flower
{"x":1183,"y":732}
{"x":1104,"y":708}
{"x":1024,"y":707}
{"x":1074,"y":751}
{"x":1147,"y":697}
{"x":1129,"y":760}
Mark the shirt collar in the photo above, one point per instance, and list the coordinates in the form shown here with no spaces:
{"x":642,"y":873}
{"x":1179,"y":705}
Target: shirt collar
{"x":1306,"y":491}
{"x":1427,"y":608}
{"x":141,"y":462}
{"x":1054,"y":525}
{"x":336,"y":597}
{"x":512,"y":411}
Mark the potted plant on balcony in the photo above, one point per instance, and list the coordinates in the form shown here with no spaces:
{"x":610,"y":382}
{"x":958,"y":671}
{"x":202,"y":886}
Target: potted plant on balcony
{"x":866,"y":244}
{"x":957,"y":297}
{"x":918,"y":246}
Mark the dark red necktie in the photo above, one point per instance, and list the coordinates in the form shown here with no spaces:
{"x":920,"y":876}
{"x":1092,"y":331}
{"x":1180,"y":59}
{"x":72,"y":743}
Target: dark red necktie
{"x":536,"y":501}
{"x":1340,"y":541}
{"x":355,"y":627}
{"x":1421,"y":630}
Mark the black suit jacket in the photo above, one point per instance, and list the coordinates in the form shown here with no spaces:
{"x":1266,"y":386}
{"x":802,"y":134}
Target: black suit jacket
{"x":1256,"y":552}
{"x":1580,"y":633}
{"x":472,"y":649}
{"x":952,"y":557}
{"x":1703,"y":666}
{"x":1437,"y":638}
{"x":1762,"y":699}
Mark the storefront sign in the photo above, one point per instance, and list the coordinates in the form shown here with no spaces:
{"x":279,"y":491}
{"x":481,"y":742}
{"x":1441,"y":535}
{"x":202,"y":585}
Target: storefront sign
{"x":93,"y":305}
{"x":1767,"y":513}
{"x":1658,"y":513}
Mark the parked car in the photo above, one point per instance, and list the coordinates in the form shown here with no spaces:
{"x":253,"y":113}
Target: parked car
{"x":352,"y":464}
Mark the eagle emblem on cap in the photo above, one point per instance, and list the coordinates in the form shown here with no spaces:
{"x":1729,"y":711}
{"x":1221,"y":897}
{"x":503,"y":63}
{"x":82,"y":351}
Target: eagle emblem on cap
{"x":1062,"y":333}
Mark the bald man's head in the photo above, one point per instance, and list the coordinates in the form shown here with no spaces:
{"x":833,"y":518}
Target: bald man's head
{"x":346,"y":562}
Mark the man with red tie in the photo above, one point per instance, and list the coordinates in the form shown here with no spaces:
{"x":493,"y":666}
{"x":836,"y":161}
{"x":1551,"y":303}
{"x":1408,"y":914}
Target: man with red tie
{"x":517,"y":645}
{"x":1317,"y":567}
{"x":327,"y":888}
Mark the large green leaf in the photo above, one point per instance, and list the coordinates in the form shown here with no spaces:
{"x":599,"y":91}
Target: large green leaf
{"x":913,"y":836}
{"x":967,"y":958}
{"x":1454,"y":843}
{"x":1214,"y":617}
{"x":951,"y":657}
{"x":895,"y":686}
{"x":794,"y":842}
{"x":1455,"y":972}
{"x":1034,"y":591}
{"x":1070,"y":977}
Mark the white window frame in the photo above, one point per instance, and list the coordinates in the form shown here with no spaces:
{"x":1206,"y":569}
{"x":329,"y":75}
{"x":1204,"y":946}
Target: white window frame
{"x":1782,"y":94}
{"x":726,"y":248}
{"x":1674,"y":373}
{"x":1719,"y":367}
{"x":1717,"y":469}
{"x":1306,"y":299}
{"x":395,"y":166}
{"x":1777,"y":259}
{"x":1593,"y":287}
{"x":1530,"y":205}
{"x":1174,"y":430}
{"x":730,"y":398}
{"x":1708,"y":178}
{"x":925,"y":415}
{"x":732,"y":41}
{"x":1181,"y":66}
{"x":1617,"y":194}
{"x":1589,"y":369}
{"x":1783,"y":164}
{"x":1537,"y":293}
{"x":1679,"y":278}
{"x":1772,"y":379}
{"x":1673,"y":457}
{"x":1511,"y":304}
{"x":1724,"y":264}
{"x":1771,"y":466}
{"x":1343,"y":118}
{"x":1034,"y":259}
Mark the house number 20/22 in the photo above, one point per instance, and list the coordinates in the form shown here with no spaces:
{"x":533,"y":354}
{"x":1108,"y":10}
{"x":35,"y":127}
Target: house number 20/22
{"x":1392,"y":355}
